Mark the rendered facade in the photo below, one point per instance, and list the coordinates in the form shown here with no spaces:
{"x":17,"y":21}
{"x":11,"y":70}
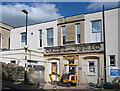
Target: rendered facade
{"x":5,"y":36}
{"x":75,"y":39}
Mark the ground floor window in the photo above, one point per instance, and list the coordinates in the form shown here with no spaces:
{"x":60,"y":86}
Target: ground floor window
{"x":71,"y":61}
{"x":54,"y":67}
{"x":91,"y":67}
{"x":112,"y":60}
{"x":71,"y":68}
{"x":13,"y":61}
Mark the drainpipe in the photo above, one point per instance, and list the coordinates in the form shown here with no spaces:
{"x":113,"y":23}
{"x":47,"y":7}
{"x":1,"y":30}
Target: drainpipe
{"x":104,"y":43}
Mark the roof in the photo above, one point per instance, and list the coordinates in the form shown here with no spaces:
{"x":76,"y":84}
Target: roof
{"x":6,"y":24}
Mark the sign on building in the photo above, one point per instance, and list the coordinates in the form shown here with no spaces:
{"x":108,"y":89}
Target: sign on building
{"x":114,"y":72}
{"x":80,"y":68}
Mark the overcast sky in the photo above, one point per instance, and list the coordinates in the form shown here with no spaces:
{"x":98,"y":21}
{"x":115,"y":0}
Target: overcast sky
{"x":40,"y":12}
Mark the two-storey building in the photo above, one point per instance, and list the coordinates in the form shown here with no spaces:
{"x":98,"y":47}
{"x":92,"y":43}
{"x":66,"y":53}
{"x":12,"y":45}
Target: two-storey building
{"x":75,"y":39}
{"x":5,"y":36}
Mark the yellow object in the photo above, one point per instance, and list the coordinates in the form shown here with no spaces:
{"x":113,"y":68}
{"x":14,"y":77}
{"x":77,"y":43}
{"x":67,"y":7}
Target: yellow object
{"x":119,"y":83}
{"x":70,"y":78}
{"x":54,"y":73}
{"x":25,"y":47}
{"x":71,"y":64}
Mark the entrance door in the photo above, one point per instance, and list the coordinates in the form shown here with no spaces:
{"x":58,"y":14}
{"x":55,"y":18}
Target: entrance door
{"x":71,"y":68}
{"x":54,"y":67}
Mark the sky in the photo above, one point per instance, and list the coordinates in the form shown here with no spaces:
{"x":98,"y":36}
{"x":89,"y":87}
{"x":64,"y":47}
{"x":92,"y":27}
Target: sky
{"x":46,"y":11}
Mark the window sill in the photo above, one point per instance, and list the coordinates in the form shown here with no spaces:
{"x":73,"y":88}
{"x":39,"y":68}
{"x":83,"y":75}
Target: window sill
{"x":40,"y":48}
{"x":91,"y":74}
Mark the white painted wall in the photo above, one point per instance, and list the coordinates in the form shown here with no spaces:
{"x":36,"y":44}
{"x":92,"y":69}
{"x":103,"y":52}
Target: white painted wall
{"x":111,"y":29}
{"x":15,"y":55}
{"x":33,"y":40}
{"x":88,"y":25}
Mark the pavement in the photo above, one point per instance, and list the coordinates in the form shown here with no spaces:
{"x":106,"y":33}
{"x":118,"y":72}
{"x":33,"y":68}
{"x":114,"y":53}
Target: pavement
{"x":16,"y":85}
{"x":20,"y":85}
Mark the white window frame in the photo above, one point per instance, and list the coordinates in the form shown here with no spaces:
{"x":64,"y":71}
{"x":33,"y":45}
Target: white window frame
{"x":96,"y":31}
{"x":52,"y":37}
{"x":77,"y":33}
{"x":21,"y":39}
{"x":95,"y":65}
{"x":62,"y":35}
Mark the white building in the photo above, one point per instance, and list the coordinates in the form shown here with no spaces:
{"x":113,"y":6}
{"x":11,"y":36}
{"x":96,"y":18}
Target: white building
{"x":82,"y":37}
{"x":111,"y":32}
{"x":36,"y":36}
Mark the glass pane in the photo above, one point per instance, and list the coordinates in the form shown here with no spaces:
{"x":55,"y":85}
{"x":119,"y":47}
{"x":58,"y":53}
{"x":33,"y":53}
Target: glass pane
{"x":91,"y":67}
{"x":40,"y":42}
{"x":50,"y":33}
{"x":40,"y":34}
{"x":63,"y":40}
{"x":22,"y":44}
{"x":78,"y":28}
{"x":96,"y":26}
{"x":93,"y":37}
{"x":98,"y":37}
{"x":93,"y":26}
{"x":78,"y":38}
{"x":63,"y":31}
{"x":23,"y":38}
{"x":112,"y":60}
{"x":99,"y":26}
{"x":50,"y":41}
{"x":0,"y":40}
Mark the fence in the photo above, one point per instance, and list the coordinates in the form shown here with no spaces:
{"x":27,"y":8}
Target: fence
{"x":36,"y":75}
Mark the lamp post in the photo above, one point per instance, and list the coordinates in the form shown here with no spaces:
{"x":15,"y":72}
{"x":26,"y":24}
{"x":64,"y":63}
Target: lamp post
{"x":25,"y":47}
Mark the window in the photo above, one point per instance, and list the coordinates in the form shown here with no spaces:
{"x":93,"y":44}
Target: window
{"x":54,"y":67}
{"x":71,"y":68}
{"x":0,"y":40}
{"x":71,"y":61}
{"x":63,"y":36}
{"x":50,"y":37}
{"x":77,"y":33}
{"x":13,"y":61}
{"x":112,"y":60}
{"x":40,"y":38}
{"x":96,"y":31}
{"x":91,"y":67}
{"x":23,"y":39}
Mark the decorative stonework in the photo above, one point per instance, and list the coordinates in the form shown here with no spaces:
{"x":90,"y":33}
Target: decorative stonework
{"x":76,"y":48}
{"x":70,"y":19}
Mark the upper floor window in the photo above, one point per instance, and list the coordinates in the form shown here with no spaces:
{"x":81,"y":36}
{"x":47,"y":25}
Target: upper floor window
{"x":96,"y":31}
{"x":23,"y":39}
{"x":112,"y":60}
{"x":63,"y":36}
{"x":50,"y":37}
{"x":40,"y":38}
{"x":77,"y":33}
